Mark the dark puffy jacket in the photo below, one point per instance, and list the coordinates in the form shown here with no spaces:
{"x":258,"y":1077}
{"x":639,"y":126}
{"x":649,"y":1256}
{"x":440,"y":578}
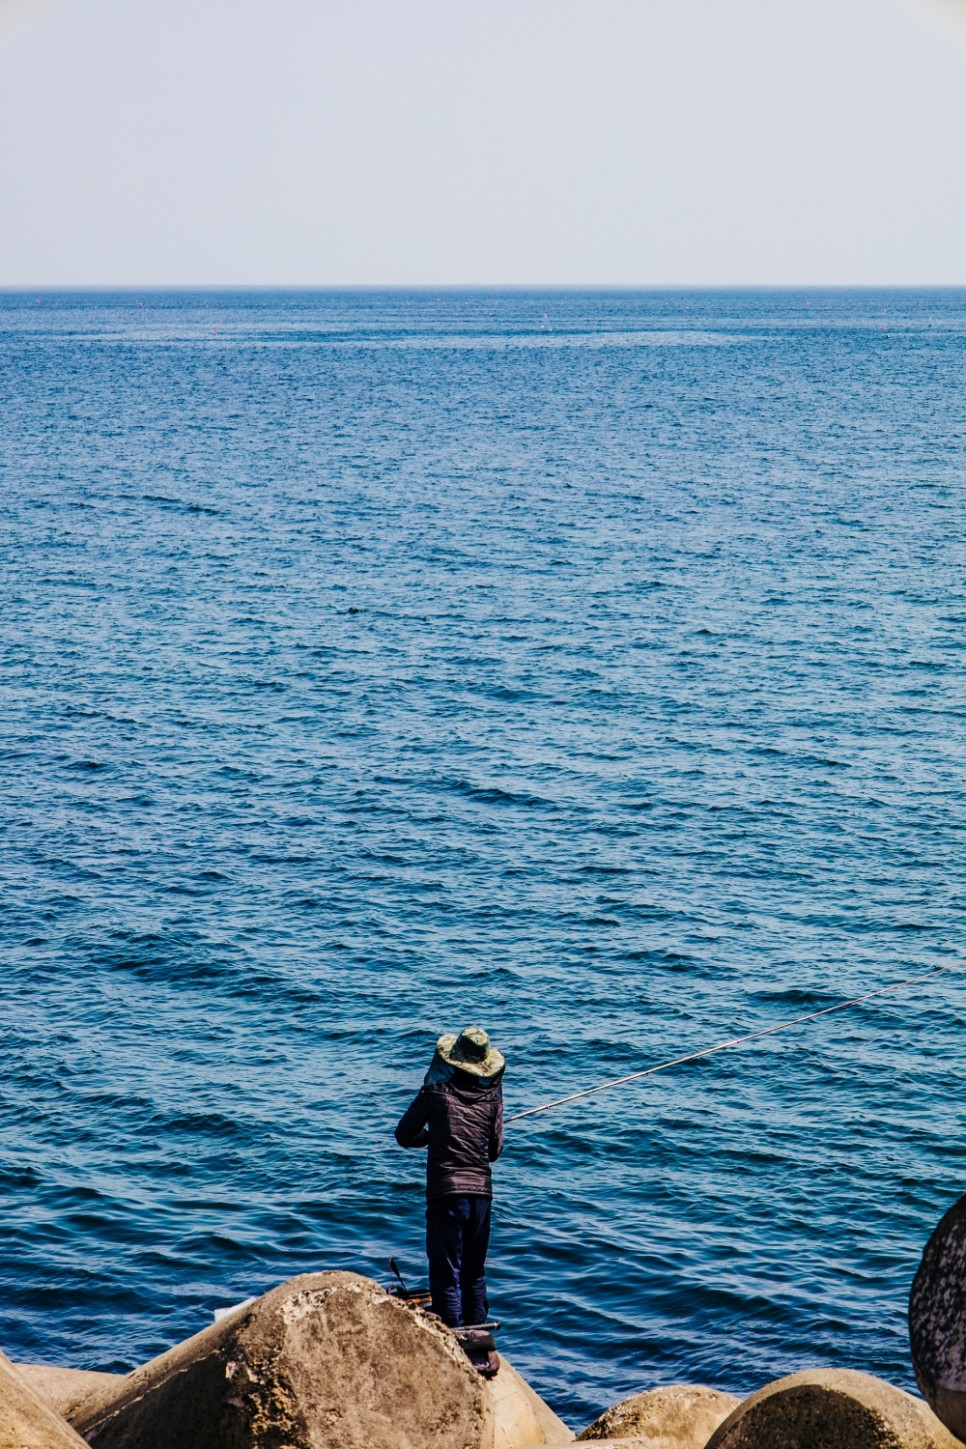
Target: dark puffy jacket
{"x":462,"y":1122}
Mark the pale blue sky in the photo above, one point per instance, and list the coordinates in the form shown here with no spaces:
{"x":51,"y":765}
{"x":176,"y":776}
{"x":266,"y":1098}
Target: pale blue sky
{"x":635,"y":142}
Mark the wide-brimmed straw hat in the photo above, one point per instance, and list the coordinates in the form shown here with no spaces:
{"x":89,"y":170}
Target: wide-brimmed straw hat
{"x":471,"y":1051}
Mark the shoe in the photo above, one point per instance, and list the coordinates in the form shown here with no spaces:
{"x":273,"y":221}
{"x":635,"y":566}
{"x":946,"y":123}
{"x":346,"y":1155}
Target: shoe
{"x":491,"y":1368}
{"x":480,"y":1349}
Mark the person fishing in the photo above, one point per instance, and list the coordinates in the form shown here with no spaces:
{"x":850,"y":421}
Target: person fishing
{"x":458,"y":1115}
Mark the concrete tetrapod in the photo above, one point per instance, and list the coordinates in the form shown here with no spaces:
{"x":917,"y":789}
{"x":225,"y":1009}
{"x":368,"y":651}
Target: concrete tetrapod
{"x":63,"y":1388}
{"x":326,"y":1361}
{"x":681,"y":1416}
{"x":831,"y":1409}
{"x":937,"y":1320}
{"x":26,"y":1422}
{"x":521,"y":1419}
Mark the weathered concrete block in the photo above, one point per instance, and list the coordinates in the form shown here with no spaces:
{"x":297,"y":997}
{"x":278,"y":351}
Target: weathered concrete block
{"x":26,"y":1422}
{"x":937,"y":1320}
{"x":831,"y":1409}
{"x":521,"y":1419}
{"x":326,"y":1361}
{"x":682,"y":1416}
{"x":637,"y":1441}
{"x":64,"y":1388}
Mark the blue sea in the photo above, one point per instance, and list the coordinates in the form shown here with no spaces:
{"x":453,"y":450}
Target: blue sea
{"x":586,"y":666}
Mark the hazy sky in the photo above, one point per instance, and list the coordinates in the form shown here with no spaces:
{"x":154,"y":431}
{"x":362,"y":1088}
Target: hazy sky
{"x":455,"y":141}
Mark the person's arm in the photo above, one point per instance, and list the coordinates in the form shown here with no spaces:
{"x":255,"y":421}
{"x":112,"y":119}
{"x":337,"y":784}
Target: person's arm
{"x":411,"y":1129}
{"x":496,"y":1133}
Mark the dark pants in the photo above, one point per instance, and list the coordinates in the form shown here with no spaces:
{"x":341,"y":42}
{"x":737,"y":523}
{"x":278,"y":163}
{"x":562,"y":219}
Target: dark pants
{"x":457,"y":1237}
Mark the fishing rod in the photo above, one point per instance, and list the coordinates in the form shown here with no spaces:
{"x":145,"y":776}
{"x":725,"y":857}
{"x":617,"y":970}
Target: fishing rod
{"x":722,"y":1046}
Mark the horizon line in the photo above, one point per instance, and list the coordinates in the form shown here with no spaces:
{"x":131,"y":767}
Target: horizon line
{"x":12,"y":288}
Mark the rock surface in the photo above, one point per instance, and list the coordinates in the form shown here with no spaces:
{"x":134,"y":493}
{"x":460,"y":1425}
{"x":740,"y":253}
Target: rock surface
{"x":26,"y":1421}
{"x":63,"y":1388}
{"x":937,"y":1320}
{"x":326,"y":1361}
{"x":521,"y":1419}
{"x":636,"y":1441}
{"x":831,"y":1409}
{"x":682,"y":1416}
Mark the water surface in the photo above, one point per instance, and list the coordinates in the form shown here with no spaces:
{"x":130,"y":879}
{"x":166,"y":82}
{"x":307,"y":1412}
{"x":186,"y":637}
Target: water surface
{"x":589,"y":666}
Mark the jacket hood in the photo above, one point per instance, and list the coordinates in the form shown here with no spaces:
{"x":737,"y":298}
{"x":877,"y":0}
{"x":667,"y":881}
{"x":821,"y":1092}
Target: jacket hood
{"x":472,"y":1090}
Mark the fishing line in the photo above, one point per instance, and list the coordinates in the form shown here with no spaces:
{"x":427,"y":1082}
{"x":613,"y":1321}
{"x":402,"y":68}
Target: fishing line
{"x":722,"y":1046}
